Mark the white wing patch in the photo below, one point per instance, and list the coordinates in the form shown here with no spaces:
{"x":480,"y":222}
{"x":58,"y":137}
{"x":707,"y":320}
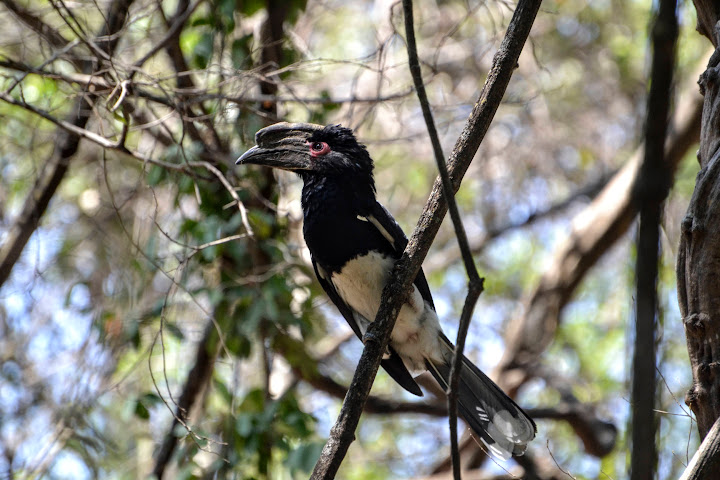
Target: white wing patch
{"x":322,"y":273}
{"x":382,"y":230}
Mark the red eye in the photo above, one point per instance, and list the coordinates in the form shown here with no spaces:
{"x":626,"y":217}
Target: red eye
{"x":318,"y":149}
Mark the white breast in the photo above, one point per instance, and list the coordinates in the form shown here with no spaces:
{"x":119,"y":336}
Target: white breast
{"x":360,"y":284}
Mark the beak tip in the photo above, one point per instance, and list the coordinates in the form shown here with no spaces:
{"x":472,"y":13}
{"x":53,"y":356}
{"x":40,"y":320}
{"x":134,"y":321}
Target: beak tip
{"x":242,"y":158}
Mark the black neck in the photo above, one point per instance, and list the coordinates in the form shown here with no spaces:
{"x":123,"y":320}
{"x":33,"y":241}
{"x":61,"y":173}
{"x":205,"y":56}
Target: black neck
{"x":334,"y":229}
{"x":337,"y":195}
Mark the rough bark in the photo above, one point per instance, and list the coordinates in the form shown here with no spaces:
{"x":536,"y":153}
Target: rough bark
{"x":708,"y":13}
{"x":706,"y":461}
{"x":698,"y":265}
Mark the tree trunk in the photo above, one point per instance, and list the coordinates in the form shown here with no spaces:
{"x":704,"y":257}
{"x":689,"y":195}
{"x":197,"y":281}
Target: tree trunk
{"x":698,"y":267}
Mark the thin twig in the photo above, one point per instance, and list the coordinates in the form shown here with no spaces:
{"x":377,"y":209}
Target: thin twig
{"x":50,"y":34}
{"x":176,"y":26}
{"x":475,"y":283}
{"x":449,"y":254}
{"x":547,"y":445}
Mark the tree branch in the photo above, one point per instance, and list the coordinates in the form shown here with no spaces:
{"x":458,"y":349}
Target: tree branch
{"x":597,"y":435}
{"x":649,"y":192}
{"x":699,"y":250}
{"x":52,"y":36}
{"x":306,"y":368}
{"x":405,"y":270}
{"x":594,"y":231}
{"x":706,"y":462}
{"x":449,"y":254}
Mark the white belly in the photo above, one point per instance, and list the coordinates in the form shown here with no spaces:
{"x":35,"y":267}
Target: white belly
{"x":415,"y":335}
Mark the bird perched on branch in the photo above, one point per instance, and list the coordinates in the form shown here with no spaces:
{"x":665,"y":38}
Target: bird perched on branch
{"x":354,"y":243}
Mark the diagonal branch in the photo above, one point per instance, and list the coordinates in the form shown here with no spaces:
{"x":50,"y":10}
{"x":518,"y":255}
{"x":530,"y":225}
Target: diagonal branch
{"x":52,"y":36}
{"x":449,"y":254}
{"x":395,"y":292}
{"x":594,"y":231}
{"x":305,"y":367}
{"x":597,"y":435}
{"x":706,"y":461}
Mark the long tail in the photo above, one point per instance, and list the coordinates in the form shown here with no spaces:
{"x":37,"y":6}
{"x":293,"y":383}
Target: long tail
{"x":499,"y":422}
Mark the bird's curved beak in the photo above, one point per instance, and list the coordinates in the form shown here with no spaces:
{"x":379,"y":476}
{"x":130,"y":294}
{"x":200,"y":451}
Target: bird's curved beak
{"x":247,"y":156}
{"x":282,"y":157}
{"x":282,"y":145}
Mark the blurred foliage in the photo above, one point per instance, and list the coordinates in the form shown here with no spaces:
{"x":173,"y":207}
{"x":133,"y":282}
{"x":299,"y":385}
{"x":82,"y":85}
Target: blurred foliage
{"x":101,"y":318}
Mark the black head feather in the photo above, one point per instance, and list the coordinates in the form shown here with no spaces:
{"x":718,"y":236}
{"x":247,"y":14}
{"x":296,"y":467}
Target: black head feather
{"x":346,"y":155}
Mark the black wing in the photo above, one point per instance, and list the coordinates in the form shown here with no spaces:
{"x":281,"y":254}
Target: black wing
{"x":390,"y":229}
{"x":392,"y":364}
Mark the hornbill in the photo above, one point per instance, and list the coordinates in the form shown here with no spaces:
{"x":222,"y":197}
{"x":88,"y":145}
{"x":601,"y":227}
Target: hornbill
{"x":354,"y":243}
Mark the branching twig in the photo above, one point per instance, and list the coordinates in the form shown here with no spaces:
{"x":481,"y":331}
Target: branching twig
{"x":197,"y":378}
{"x":173,"y":32}
{"x":475,"y":283}
{"x":405,"y":270}
{"x":50,"y":34}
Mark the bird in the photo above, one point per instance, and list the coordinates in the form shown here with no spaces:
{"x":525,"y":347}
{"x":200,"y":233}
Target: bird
{"x":354,"y":243}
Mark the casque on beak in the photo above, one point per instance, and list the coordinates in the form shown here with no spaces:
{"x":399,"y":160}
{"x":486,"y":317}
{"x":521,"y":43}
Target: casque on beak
{"x":282,"y":145}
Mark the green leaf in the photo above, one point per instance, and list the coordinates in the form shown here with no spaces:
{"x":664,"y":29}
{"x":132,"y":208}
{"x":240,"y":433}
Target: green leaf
{"x":303,"y":458}
{"x":173,"y":330}
{"x":226,"y":12}
{"x":203,"y":51}
{"x":250,"y":7}
{"x":155,"y":175}
{"x":239,"y":346}
{"x":223,"y":390}
{"x":240,"y":51}
{"x":142,"y":404}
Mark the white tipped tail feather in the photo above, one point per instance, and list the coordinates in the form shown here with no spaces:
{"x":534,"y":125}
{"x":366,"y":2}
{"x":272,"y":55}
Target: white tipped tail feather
{"x":494,"y":417}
